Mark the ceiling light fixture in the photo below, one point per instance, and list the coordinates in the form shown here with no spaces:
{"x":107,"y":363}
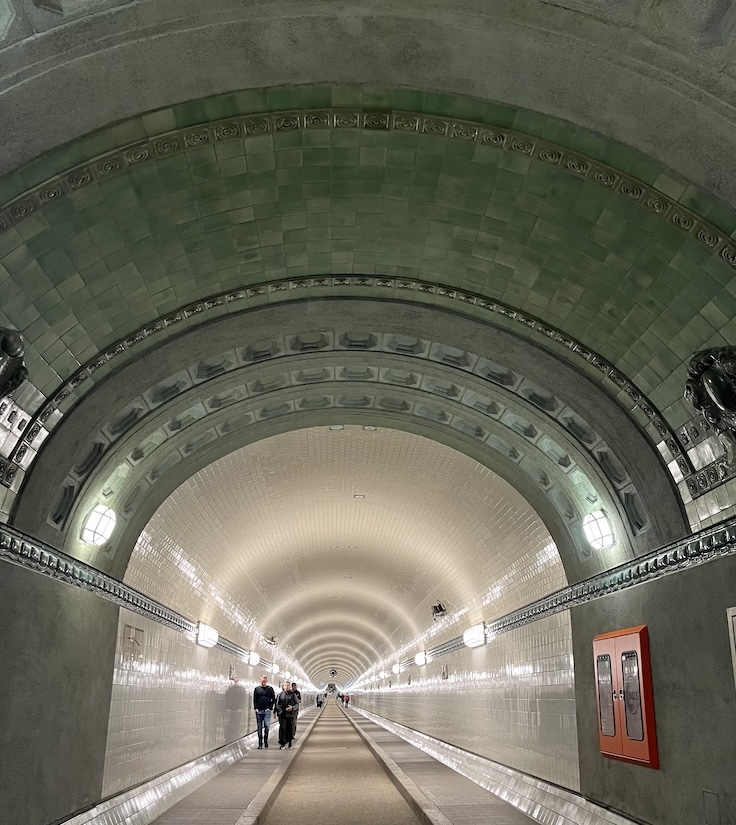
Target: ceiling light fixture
{"x":336,"y":427}
{"x":359,"y":496}
{"x":420,"y":658}
{"x":396,"y":669}
{"x":99,"y":525}
{"x":274,"y":668}
{"x":369,"y":428}
{"x":598,"y":530}
{"x":254,"y":658}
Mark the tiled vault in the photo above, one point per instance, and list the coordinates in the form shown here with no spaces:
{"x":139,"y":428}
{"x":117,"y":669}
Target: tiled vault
{"x":337,"y":543}
{"x":188,"y":215}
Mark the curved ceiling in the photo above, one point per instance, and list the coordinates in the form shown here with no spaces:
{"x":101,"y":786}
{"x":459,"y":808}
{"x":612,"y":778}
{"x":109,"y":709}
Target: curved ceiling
{"x":505,"y":253}
{"x":640,"y":72}
{"x":271,"y":540}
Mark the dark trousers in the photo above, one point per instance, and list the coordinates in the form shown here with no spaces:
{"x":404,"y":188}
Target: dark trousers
{"x":286,"y":729}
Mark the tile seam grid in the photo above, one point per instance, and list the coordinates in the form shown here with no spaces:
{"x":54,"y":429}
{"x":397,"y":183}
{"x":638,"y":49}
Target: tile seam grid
{"x":129,"y":156}
{"x":712,"y":543}
{"x":558,"y":798}
{"x":119,"y":160}
{"x":34,"y":425}
{"x":19,"y":549}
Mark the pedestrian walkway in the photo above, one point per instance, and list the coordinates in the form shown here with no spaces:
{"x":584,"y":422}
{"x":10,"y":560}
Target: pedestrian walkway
{"x":343,"y":770}
{"x":338,"y":781}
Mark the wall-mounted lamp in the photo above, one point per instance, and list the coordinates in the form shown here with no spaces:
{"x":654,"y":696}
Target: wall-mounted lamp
{"x":420,"y":658}
{"x":274,"y":668}
{"x":98,"y":525}
{"x":598,"y":530}
{"x":254,"y":658}
{"x":475,"y":636}
{"x":206,"y":636}
{"x":396,"y":669}
{"x":382,"y":674}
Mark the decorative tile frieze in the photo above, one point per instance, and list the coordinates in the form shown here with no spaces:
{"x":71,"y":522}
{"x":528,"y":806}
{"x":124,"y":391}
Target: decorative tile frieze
{"x":706,"y":546}
{"x":21,"y":550}
{"x":614,"y":380}
{"x":120,"y":160}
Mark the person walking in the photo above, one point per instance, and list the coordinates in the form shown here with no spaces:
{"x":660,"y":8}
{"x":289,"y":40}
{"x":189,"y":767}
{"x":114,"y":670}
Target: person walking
{"x":298,"y":695}
{"x":286,"y":705}
{"x":264,"y":700}
{"x":234,"y":704}
{"x":346,"y":699}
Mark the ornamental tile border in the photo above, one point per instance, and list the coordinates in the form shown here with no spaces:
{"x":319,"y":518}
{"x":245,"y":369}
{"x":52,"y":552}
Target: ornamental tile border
{"x":121,"y":160}
{"x":118,"y":161}
{"x":21,"y":550}
{"x":34,"y":426}
{"x":716,"y":542}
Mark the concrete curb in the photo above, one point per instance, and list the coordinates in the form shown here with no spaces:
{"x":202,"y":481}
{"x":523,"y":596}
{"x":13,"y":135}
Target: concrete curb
{"x":260,"y":805}
{"x":420,"y":803}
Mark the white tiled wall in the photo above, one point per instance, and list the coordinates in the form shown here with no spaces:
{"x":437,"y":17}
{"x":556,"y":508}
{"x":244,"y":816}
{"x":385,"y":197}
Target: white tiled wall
{"x":511,"y":701}
{"x":167,"y":704}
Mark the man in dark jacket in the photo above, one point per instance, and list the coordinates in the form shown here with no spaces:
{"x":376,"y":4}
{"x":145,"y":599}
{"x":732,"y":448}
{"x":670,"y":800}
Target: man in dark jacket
{"x":286,"y":707}
{"x":264,"y":699}
{"x":295,"y":690}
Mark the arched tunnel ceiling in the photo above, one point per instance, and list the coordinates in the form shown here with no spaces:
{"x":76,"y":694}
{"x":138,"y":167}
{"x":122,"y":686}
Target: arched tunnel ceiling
{"x":535,"y":420}
{"x":271,"y":541}
{"x":191,"y":217}
{"x":641,"y":72}
{"x":224,"y":257}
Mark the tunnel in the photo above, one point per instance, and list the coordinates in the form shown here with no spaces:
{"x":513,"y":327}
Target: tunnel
{"x":385,"y":348}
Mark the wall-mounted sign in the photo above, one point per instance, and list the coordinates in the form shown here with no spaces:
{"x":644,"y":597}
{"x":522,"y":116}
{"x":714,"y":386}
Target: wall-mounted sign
{"x":624,"y":696}
{"x":731,"y":614}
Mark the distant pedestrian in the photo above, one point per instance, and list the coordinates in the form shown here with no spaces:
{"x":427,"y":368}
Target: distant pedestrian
{"x":298,"y":695}
{"x":264,"y":700}
{"x":234,"y":704}
{"x":346,"y":699}
{"x":286,"y":706}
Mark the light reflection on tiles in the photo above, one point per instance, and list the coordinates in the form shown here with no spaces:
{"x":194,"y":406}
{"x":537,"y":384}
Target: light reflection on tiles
{"x":512,"y":701}
{"x":144,"y":803}
{"x":167,"y":703}
{"x":542,"y":802}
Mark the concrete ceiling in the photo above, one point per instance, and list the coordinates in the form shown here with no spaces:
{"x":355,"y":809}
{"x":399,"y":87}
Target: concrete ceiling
{"x":504,"y":249}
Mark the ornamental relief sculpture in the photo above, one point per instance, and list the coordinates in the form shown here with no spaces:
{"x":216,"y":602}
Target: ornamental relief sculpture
{"x":711,"y":389}
{"x":12,"y":368}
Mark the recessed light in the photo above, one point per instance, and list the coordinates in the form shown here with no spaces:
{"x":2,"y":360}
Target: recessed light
{"x":359,"y":496}
{"x":336,"y":427}
{"x":369,"y":427}
{"x":352,"y":546}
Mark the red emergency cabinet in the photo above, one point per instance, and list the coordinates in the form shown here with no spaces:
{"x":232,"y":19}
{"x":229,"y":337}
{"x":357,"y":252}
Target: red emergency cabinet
{"x":624,"y":696}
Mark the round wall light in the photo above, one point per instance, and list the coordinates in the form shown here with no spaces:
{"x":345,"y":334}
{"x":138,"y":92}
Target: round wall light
{"x":396,"y":669}
{"x":598,"y":530}
{"x":99,"y":525}
{"x":254,"y":658}
{"x":420,"y":658}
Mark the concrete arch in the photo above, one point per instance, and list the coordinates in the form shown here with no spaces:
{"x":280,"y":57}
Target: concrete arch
{"x":573,"y":389}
